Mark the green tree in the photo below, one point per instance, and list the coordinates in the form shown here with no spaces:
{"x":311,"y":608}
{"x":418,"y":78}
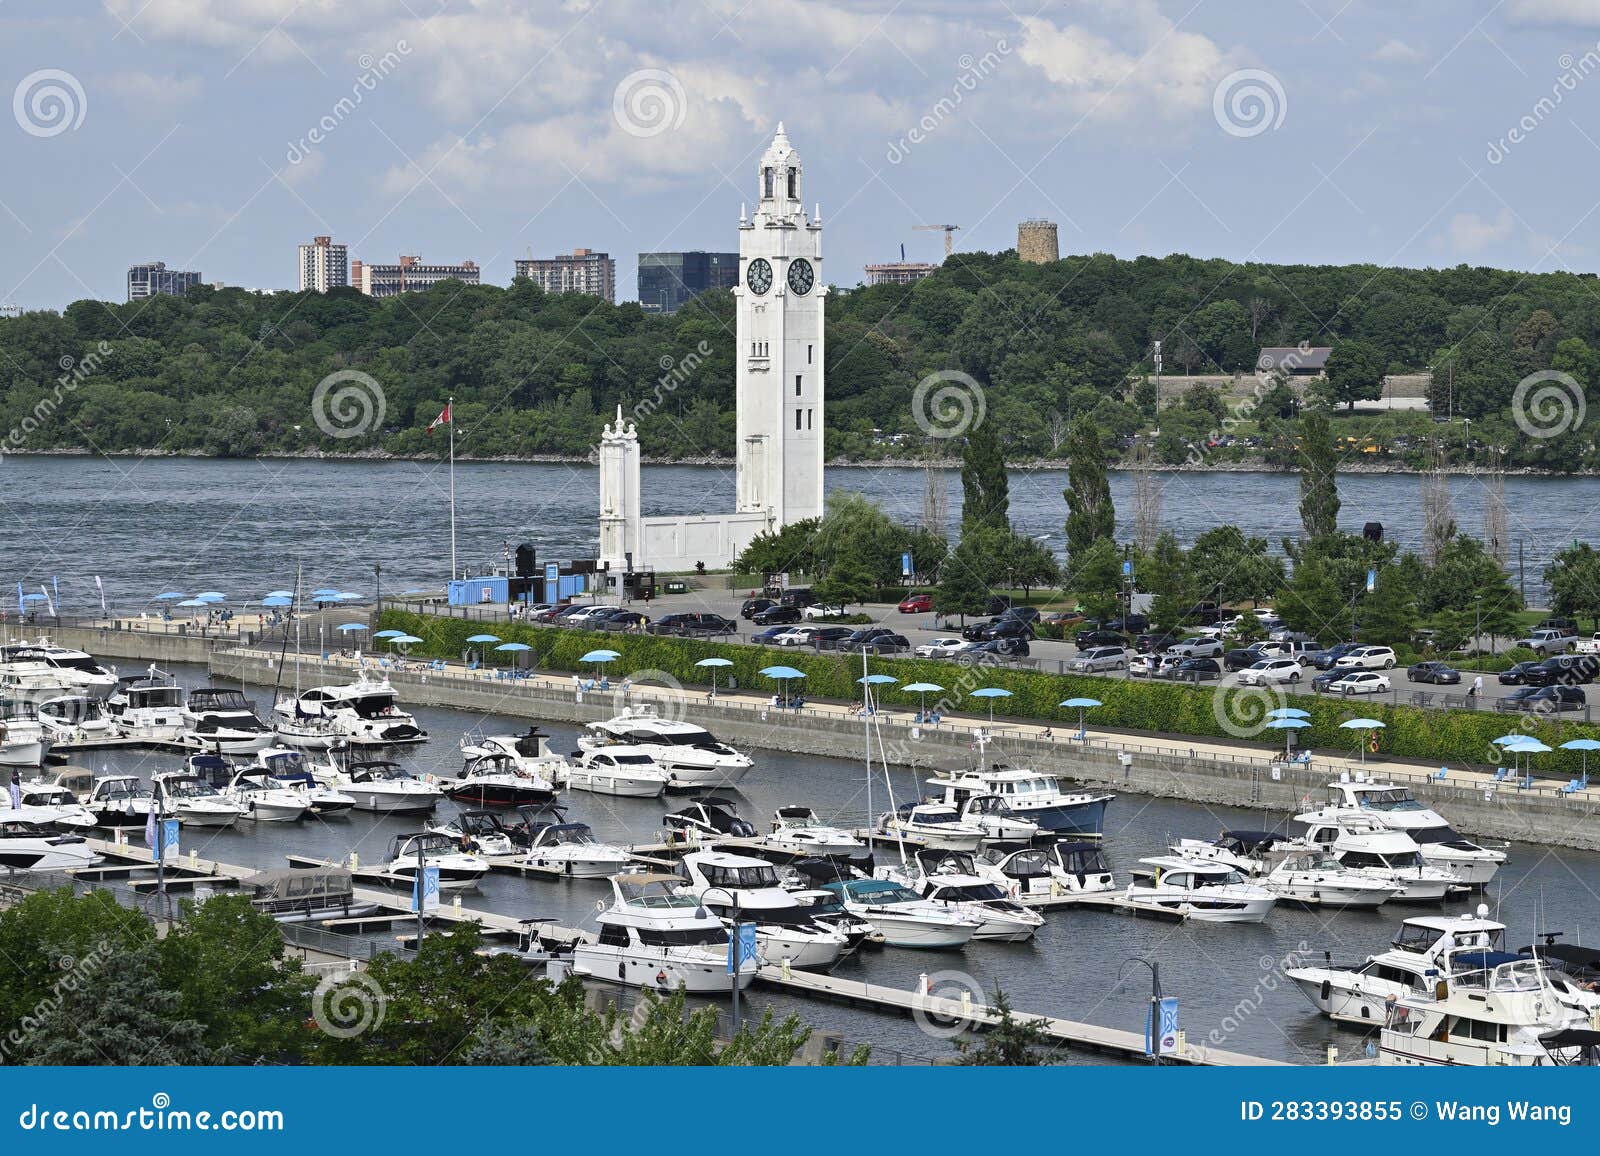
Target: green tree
{"x":1095,"y":577}
{"x":985,"y":486}
{"x":1010,"y":1043}
{"x":1319,"y":483}
{"x":1230,"y":567}
{"x":1573,"y":577}
{"x":1168,"y":577}
{"x":964,"y":577}
{"x":1090,"y":515}
{"x":1021,"y":561}
{"x":1388,"y":615}
{"x":1355,"y":372}
{"x":790,"y":549}
{"x":1313,"y":602}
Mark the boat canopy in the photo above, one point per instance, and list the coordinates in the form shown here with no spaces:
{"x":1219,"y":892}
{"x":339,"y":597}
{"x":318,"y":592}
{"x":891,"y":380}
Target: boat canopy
{"x":288,"y":884}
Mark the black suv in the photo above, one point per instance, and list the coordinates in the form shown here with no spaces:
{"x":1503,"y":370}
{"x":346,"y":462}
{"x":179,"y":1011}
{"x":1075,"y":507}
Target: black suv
{"x":1562,"y":670}
{"x":1154,"y":643}
{"x":1324,"y":659}
{"x":1085,"y":639}
{"x":1245,"y":657}
{"x":1131,"y":624}
{"x":1005,"y":626}
{"x":1514,"y":675}
{"x":1543,"y":698}
{"x":685,"y":624}
{"x":1008,"y":646}
{"x":754,"y":606}
{"x":777,"y":616}
{"x":798,"y":598}
{"x":875,"y":640}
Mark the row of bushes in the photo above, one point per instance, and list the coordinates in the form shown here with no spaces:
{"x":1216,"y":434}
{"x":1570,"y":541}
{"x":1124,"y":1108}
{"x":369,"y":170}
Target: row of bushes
{"x":1433,"y":736}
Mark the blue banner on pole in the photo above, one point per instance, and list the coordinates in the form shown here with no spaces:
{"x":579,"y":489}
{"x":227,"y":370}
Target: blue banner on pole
{"x":741,"y":946}
{"x":425,"y":890}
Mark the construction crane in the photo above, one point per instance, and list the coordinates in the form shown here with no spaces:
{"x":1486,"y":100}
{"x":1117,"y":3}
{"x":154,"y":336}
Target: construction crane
{"x":949,"y":235}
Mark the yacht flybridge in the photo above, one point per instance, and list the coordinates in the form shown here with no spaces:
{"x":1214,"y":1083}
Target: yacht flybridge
{"x":364,"y":713}
{"x":223,"y":721}
{"x":1397,"y":809}
{"x":23,"y":742}
{"x":1030,"y":795}
{"x":785,"y":931}
{"x":147,"y":707}
{"x":689,"y":753}
{"x":1365,"y":847}
{"x":653,"y":936}
{"x":1491,"y":1010}
{"x":42,"y":667}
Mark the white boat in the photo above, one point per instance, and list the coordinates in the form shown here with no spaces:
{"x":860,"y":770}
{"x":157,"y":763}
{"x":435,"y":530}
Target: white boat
{"x":480,"y":832}
{"x":381,"y":786}
{"x":308,"y":734}
{"x":497,"y":780}
{"x":222,"y":721}
{"x":825,"y":908}
{"x":709,"y":818}
{"x":626,"y":771}
{"x":529,"y":752}
{"x":119,"y":801}
{"x":1040,"y":876}
{"x":148,"y":707}
{"x":193,"y":800}
{"x":951,"y":878}
{"x":999,"y":822}
{"x":1499,"y":1011}
{"x":1197,"y":890}
{"x":653,"y":937}
{"x":1028,"y":794}
{"x":901,"y":916}
{"x":785,"y":931}
{"x":307,"y":894}
{"x":23,"y":743}
{"x":1366,"y":848}
{"x":692,"y":755}
{"x":76,"y":720}
{"x":366,"y":712}
{"x":458,"y":870}
{"x":263,"y":799}
{"x":40,"y":665}
{"x":288,"y":769}
{"x":28,"y":844}
{"x":931,"y":825}
{"x":1314,"y":878}
{"x":53,"y":804}
{"x":1253,"y":854}
{"x":1396,"y":808}
{"x":797,"y":831}
{"x":572,"y":849}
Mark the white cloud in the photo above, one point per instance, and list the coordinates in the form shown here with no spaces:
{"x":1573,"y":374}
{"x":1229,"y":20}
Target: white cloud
{"x":1579,"y":13}
{"x":1470,"y":233}
{"x":1395,"y":52}
{"x":152,"y":90}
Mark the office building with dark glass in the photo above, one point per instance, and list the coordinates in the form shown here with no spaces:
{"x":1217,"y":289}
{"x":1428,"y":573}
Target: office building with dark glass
{"x":667,"y":280}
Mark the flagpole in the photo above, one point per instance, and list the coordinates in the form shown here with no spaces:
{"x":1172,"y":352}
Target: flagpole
{"x":450,"y":409}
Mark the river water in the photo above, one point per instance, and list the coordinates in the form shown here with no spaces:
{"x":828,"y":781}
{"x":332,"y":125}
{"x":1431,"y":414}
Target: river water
{"x":151,"y":525}
{"x":1227,"y":978}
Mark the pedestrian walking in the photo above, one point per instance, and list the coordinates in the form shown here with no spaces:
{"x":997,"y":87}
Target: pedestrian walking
{"x":1477,"y":688}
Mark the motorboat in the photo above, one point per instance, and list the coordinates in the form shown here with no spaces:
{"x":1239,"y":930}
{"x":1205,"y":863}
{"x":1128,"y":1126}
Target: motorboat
{"x":381,"y":786}
{"x":692,"y":755}
{"x":797,"y":831}
{"x":366,"y":712}
{"x":625,"y":771}
{"x":1029,"y":795}
{"x":28,"y":844}
{"x":288,"y":769}
{"x":120,"y":801}
{"x":746,"y":890}
{"x":931,"y":825}
{"x":530,"y":753}
{"x":23,"y":743}
{"x":54,"y":804}
{"x":482,"y":833}
{"x":223,"y":721}
{"x":1394,"y":806}
{"x":826,"y":909}
{"x":951,"y":878}
{"x":1193,"y":889}
{"x":1367,"y":848}
{"x":458,"y":870}
{"x":655,"y":937}
{"x":193,"y":800}
{"x":38,"y":666}
{"x":307,"y":894}
{"x":709,"y":818}
{"x":998,"y":820}
{"x":1312,"y":877}
{"x":76,"y":721}
{"x":1040,"y":876}
{"x":495,"y":780}
{"x":572,"y":850}
{"x":253,"y":788}
{"x":315,"y":733}
{"x":147,"y":707}
{"x":901,"y":916}
{"x":1252,"y":853}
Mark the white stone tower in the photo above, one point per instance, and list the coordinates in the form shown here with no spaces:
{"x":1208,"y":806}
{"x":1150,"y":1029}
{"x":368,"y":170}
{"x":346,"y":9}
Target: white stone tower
{"x":778,"y":305}
{"x":619,"y":496}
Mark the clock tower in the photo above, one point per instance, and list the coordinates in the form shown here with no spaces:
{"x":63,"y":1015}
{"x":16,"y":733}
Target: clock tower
{"x":778,"y":304}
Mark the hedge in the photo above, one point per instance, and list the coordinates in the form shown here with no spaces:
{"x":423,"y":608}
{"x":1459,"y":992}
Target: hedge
{"x":1443,"y":737}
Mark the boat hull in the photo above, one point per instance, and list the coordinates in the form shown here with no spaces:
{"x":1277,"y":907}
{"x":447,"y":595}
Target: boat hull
{"x":489,"y":794}
{"x":29,"y":753}
{"x":391,"y":804}
{"x":1086,"y":818}
{"x":899,"y":932}
{"x":705,"y":974}
{"x":622,"y":786}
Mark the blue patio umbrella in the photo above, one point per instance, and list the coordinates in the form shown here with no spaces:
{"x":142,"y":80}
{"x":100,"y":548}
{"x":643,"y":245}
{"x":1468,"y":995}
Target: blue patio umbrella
{"x":783,"y":674}
{"x":403,"y":639}
{"x":277,"y":600}
{"x":279,"y":594}
{"x":713,"y":664}
{"x":211,"y":596}
{"x":168,"y":596}
{"x":1288,"y":712}
{"x":868,"y":681}
{"x":40,"y":598}
{"x":389,"y":634}
{"x":991,"y":693}
{"x":1080,"y":705}
{"x":1288,"y":726}
{"x":924,"y":689}
{"x":347,"y":627}
{"x":1522,"y":745}
{"x":483,"y":638}
{"x":1362,"y":724}
{"x":514,"y":648}
{"x":1585,"y":746}
{"x":322,"y":592}
{"x":592,"y":656}
{"x":190,"y":602}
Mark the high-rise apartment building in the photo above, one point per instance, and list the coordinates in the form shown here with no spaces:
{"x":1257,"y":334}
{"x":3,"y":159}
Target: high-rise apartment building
{"x":409,"y":276}
{"x":668,"y":280}
{"x":580,"y":271}
{"x":154,"y":278}
{"x":324,"y":265}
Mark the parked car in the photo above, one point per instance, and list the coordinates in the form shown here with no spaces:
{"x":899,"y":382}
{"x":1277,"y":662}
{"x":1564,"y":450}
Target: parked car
{"x":916,"y":604}
{"x":1562,"y":670}
{"x":1197,"y":647}
{"x":1154,"y":643}
{"x":875,"y":641}
{"x":621,"y":620}
{"x":777,"y":616}
{"x":1543,"y":699}
{"x":1197,"y":670}
{"x":829,"y":637}
{"x":1271,"y":670}
{"x":998,"y":604}
{"x":1028,"y":614}
{"x":696,"y":623}
{"x":1360,"y":682}
{"x":1550,"y":640}
{"x":1097,"y":658}
{"x":796,"y":636}
{"x":1367,"y":658}
{"x":1064,"y":619}
{"x":942,"y":647}
{"x":1248,"y":656}
{"x":1515,"y":675}
{"x":1327,"y":678}
{"x":1144,"y":665}
{"x":754,"y":606}
{"x":560,"y":616}
{"x":769,"y":636}
{"x":1129,"y":624}
{"x":1434,"y":672}
{"x":801,"y":596}
{"x":1092,"y":639}
{"x":1325,"y":659}
{"x":1005,"y":627}
{"x":1010,"y":646}
{"x":817,"y":610}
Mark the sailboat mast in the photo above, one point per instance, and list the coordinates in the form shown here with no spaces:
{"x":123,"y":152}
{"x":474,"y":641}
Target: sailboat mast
{"x":450,"y":408}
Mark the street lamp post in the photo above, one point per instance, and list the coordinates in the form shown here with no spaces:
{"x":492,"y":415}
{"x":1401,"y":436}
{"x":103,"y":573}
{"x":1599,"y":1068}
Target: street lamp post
{"x":1155,"y":1003}
{"x":735,"y":952}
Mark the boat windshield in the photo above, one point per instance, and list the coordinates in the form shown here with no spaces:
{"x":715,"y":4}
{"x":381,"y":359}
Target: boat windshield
{"x":123,"y":789}
{"x":1436,"y":835}
{"x":1392,"y":799}
{"x":632,"y":760}
{"x":1313,"y":861}
{"x":751,"y":876}
{"x":932,"y":816}
{"x":683,"y":936}
{"x":880,"y":892}
{"x":573,"y":834}
{"x":373,"y":705}
{"x":188,"y":788}
{"x":972,"y":892}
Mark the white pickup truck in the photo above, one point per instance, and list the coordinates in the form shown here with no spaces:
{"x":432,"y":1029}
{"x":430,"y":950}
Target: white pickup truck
{"x":1551,"y":640}
{"x":1590,"y":645}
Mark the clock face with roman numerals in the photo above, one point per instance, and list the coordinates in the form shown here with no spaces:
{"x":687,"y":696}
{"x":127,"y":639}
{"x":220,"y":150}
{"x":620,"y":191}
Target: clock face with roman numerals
{"x":801,"y":277}
{"x":759,"y":276}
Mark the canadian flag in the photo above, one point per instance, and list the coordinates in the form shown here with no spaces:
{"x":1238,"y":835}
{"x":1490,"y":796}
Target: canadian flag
{"x":442,"y":419}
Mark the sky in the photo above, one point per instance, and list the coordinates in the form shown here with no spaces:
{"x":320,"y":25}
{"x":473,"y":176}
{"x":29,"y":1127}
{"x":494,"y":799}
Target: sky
{"x":218,"y":134}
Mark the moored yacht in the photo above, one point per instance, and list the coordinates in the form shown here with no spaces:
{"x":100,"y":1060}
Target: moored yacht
{"x":496,"y":780}
{"x":1367,"y":848}
{"x":288,"y":768}
{"x":193,"y":800}
{"x":252,"y":788}
{"x":54,"y":803}
{"x":39,"y":666}
{"x":28,"y":844}
{"x":529,"y":752}
{"x":616,"y":769}
{"x":23,"y":743}
{"x":458,"y":869}
{"x":652,"y":936}
{"x":1312,"y":877}
{"x":572,"y":850}
{"x":223,"y":721}
{"x":381,"y":786}
{"x":1040,"y":876}
{"x":710,"y":818}
{"x":785,"y":931}
{"x":692,"y":755}
{"x":1493,"y":1010}
{"x":951,"y":878}
{"x":1028,"y":795}
{"x":901,"y":916}
{"x":120,"y":801}
{"x":797,"y":831}
{"x":75,"y":720}
{"x":147,"y":707}
{"x":1197,"y":890}
{"x":365,"y":712}
{"x":1395,"y":807}
{"x":931,"y":825}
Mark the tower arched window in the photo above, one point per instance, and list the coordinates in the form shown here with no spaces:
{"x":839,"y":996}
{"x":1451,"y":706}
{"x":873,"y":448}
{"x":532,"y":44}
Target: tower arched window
{"x":766,"y":182}
{"x":794,"y":183}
